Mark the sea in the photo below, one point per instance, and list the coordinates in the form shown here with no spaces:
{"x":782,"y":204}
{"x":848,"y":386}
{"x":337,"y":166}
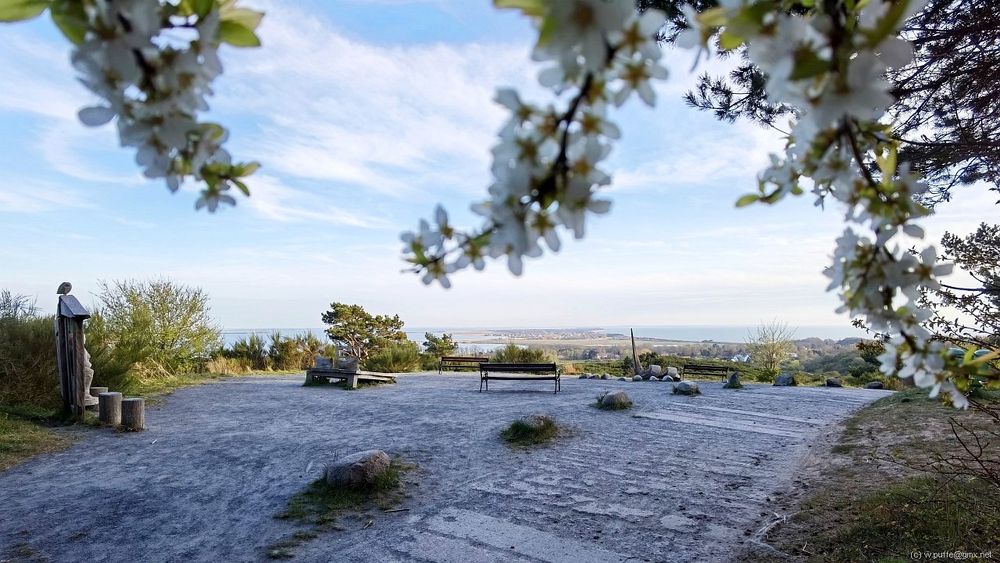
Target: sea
{"x":474,"y":336}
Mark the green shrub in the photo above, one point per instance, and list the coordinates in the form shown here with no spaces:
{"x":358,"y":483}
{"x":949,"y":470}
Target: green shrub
{"x":28,"y":373}
{"x":397,"y":357}
{"x":164,"y":323}
{"x":250,"y":350}
{"x":514,"y":354}
{"x":531,"y":430}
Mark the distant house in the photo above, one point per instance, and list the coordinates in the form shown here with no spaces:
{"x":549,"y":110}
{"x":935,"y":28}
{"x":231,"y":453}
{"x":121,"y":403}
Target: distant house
{"x":742,"y":358}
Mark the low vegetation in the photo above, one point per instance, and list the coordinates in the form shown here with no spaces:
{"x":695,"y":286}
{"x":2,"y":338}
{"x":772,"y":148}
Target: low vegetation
{"x":908,"y":475}
{"x":514,"y":354}
{"x":530,"y":431}
{"x":320,"y":505}
{"x":20,"y":440}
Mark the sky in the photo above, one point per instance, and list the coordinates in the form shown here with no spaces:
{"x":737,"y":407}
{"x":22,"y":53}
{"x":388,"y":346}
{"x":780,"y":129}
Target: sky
{"x":364,"y":115}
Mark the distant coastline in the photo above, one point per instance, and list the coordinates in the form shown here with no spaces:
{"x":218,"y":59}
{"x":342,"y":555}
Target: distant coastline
{"x":490,"y":337}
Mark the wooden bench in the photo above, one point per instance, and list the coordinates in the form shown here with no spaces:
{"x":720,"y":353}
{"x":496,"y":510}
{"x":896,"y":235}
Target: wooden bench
{"x":706,"y":369}
{"x":539,"y":372}
{"x":326,"y":370}
{"x":460,"y":362}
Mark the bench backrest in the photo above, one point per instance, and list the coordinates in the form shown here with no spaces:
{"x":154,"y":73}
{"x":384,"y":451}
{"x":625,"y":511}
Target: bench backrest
{"x":517,"y":367}
{"x":706,"y":368}
{"x":464,"y":359}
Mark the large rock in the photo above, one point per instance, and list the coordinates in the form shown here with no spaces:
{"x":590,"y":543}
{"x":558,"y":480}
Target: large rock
{"x":654,"y":378}
{"x":636,"y":378}
{"x":606,"y":376}
{"x":733,"y":382}
{"x":874,"y":385}
{"x":584,"y":376}
{"x":616,"y":400}
{"x":686,"y":388}
{"x":654,"y":369}
{"x":673,"y":374}
{"x":358,"y":470}
{"x":785,"y":380}
{"x":833,"y":382}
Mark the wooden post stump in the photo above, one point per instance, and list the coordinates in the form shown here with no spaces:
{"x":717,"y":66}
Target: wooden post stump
{"x":134,"y":414}
{"x":96,"y":391}
{"x":109,"y":408}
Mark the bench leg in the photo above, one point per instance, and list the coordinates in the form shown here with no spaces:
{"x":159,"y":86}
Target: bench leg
{"x":481,"y":380}
{"x":352,"y":381}
{"x":309,"y":378}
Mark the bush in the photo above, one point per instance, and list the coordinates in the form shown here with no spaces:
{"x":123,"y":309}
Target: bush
{"x":250,"y":350}
{"x":164,"y":325}
{"x":28,"y":373}
{"x":397,"y":357}
{"x":514,"y":354}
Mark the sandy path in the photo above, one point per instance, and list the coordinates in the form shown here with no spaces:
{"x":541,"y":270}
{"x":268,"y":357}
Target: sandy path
{"x":675,"y":479}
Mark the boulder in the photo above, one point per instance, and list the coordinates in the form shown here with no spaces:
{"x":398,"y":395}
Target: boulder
{"x":616,"y":400}
{"x":606,"y":376}
{"x":785,"y":380}
{"x":636,"y":378}
{"x":584,"y":376}
{"x":673,"y":373}
{"x":733,"y":382}
{"x":654,"y":378}
{"x":874,"y":385}
{"x":686,"y":388}
{"x":654,"y":369}
{"x":358,"y":470}
{"x":833,"y":382}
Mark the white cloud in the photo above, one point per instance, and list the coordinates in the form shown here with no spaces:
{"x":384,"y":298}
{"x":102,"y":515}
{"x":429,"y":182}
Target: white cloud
{"x":274,"y":200}
{"x":395,"y":120}
{"x":20,"y":196}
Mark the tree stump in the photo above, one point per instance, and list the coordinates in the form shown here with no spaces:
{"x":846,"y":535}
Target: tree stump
{"x":96,"y":391}
{"x":134,"y":414}
{"x":109,"y":408}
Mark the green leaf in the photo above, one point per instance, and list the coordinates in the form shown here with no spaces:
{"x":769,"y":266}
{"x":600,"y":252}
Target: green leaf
{"x":70,"y":18}
{"x":247,"y":168}
{"x":747,"y":200}
{"x":18,"y":10}
{"x":243,"y":187}
{"x":237,"y":35}
{"x":202,"y":7}
{"x":246,"y":17}
{"x":729,"y":41}
{"x":534,"y":8}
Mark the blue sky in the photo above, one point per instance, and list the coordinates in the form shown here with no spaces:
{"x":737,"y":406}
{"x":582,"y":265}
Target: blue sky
{"x":365,"y":114}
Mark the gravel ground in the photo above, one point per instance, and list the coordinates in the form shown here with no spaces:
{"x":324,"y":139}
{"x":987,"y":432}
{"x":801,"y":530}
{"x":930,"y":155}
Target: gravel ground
{"x":674,"y":479}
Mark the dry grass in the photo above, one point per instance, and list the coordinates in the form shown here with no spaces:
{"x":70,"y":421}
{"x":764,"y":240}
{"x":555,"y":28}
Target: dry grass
{"x":881,"y":499}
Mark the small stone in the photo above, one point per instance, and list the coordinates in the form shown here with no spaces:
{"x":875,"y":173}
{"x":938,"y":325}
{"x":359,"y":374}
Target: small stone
{"x":622,"y":379}
{"x":686,"y":388}
{"x":636,"y":378}
{"x":608,"y":374}
{"x":653,"y":378}
{"x":833,"y":382}
{"x":359,"y":469}
{"x":874,"y":385}
{"x":584,"y":376}
{"x":785,"y":380}
{"x":733,"y":382}
{"x":616,"y":400}
{"x":605,"y":376}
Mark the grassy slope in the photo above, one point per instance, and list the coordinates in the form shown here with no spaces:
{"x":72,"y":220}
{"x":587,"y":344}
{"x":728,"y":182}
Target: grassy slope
{"x":22,"y":438}
{"x":873,"y":501}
